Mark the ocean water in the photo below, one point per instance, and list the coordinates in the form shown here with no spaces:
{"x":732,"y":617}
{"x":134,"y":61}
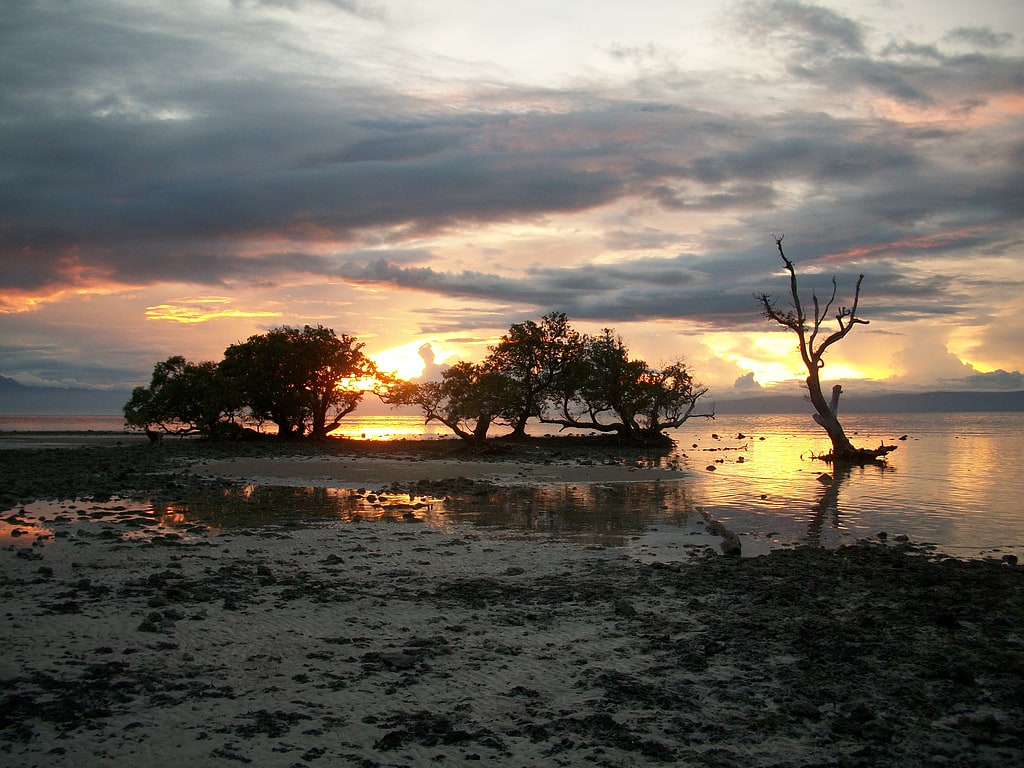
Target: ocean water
{"x":67,"y":423}
{"x":955,"y":482}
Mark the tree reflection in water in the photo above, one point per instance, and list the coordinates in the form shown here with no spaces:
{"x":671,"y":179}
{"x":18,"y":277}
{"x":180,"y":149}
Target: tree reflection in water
{"x":825,"y":518}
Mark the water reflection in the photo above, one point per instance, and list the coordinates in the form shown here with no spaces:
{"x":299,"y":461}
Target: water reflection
{"x":257,"y":505}
{"x":950,"y":484}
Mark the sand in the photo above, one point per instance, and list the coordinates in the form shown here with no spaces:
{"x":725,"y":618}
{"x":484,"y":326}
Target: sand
{"x":129,"y":640}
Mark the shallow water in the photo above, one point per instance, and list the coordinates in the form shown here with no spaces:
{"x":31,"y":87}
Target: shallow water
{"x":954,"y":482}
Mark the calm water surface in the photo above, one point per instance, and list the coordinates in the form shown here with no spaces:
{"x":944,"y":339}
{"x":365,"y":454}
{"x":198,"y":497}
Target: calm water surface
{"x":954,"y":482}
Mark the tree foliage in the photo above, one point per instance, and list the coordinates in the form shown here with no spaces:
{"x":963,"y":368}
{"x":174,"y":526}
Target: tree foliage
{"x":532,"y":357}
{"x":305,"y":380}
{"x":294,"y":377}
{"x":606,"y":390}
{"x":182,"y":398}
{"x":466,"y":399}
{"x":549,"y":371}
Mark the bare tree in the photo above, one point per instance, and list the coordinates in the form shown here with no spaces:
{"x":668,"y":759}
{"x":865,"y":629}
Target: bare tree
{"x":812,"y":351}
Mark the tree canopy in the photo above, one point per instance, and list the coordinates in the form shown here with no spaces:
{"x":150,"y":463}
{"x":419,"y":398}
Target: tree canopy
{"x":304,"y":380}
{"x":182,"y":398}
{"x":606,"y":390}
{"x":466,"y":399}
{"x":549,"y":371}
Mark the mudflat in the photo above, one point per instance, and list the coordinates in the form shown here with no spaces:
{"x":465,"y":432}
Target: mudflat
{"x":130,"y":639}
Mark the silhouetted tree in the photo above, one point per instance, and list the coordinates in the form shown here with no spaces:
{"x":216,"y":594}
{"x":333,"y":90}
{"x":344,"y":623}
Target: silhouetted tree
{"x":182,"y":398}
{"x":812,"y":351}
{"x":466,"y":399}
{"x":531,"y":356}
{"x":606,"y":390}
{"x":297,"y":377}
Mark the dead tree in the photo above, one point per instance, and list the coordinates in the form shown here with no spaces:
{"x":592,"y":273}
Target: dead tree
{"x":812,"y":351}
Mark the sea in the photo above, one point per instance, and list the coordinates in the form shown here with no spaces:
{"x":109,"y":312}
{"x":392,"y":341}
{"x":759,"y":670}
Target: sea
{"x":955,"y":484}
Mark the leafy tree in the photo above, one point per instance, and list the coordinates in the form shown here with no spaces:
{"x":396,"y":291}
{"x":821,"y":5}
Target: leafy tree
{"x":182,"y":398}
{"x":531,"y":356}
{"x":297,"y":377}
{"x":266,"y":376}
{"x":466,"y":400}
{"x":812,"y":352}
{"x":606,"y":390}
{"x":336,"y":367}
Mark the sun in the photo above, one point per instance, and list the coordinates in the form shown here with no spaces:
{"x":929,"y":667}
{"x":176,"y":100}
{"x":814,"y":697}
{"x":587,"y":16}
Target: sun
{"x":405,"y":361}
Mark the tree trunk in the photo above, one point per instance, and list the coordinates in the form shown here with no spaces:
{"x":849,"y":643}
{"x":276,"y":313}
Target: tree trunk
{"x":826,"y":417}
{"x":843,"y":451}
{"x":519,"y":428}
{"x":483,"y":423}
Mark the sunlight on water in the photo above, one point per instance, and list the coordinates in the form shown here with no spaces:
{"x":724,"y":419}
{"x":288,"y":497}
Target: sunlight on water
{"x":950,"y":484}
{"x":954,"y":482}
{"x":390,"y":428}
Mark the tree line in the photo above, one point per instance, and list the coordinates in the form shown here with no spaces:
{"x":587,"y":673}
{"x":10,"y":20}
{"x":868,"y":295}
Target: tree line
{"x":306,"y":380}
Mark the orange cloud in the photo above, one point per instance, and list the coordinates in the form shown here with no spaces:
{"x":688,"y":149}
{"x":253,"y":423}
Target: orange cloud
{"x":995,"y":109}
{"x":920,"y":243}
{"x":201,"y":309}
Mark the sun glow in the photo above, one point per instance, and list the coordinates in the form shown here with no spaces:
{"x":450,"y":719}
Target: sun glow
{"x":773,"y":359}
{"x":413,"y":360}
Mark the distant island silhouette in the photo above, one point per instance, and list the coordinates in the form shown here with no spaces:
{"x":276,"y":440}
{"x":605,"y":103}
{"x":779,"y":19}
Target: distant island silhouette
{"x":18,"y":399}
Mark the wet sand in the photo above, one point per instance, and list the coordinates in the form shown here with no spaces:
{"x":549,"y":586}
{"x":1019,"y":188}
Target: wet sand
{"x":391,"y":642}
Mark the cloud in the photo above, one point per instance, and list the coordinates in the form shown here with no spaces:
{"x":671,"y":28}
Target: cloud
{"x":366,"y":10}
{"x":242,"y":152}
{"x":746,"y":384}
{"x":981,"y":37}
{"x":812,"y":30}
{"x":202,"y":309}
{"x":993,"y":381}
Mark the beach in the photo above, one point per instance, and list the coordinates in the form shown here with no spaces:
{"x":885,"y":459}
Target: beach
{"x":132,"y":639}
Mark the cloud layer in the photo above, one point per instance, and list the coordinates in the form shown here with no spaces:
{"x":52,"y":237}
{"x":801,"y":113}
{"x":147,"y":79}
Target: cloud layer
{"x":288,"y":146}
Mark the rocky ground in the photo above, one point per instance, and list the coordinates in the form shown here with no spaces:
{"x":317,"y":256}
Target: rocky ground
{"x":129,"y":640}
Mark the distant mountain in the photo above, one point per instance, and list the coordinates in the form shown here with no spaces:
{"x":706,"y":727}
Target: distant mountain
{"x":19,"y":400}
{"x":918,"y":402}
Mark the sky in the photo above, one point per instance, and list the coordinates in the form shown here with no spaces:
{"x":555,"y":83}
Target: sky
{"x":179,"y":176}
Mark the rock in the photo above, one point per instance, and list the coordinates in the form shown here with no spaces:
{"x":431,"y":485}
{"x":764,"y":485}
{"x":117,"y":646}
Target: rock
{"x":397,"y":660}
{"x":625,"y":608}
{"x":151,"y":623}
{"x":803,"y":710}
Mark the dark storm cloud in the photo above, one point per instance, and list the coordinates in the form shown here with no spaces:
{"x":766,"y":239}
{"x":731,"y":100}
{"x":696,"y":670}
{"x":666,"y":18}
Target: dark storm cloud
{"x":611,"y":287}
{"x":715,"y":292}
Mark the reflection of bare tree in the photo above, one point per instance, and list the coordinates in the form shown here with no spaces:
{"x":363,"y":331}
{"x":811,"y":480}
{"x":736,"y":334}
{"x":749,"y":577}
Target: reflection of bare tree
{"x":826,"y":509}
{"x":825,"y":512}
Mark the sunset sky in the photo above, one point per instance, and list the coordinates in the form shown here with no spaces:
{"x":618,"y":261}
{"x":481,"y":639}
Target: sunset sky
{"x":179,"y":176}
